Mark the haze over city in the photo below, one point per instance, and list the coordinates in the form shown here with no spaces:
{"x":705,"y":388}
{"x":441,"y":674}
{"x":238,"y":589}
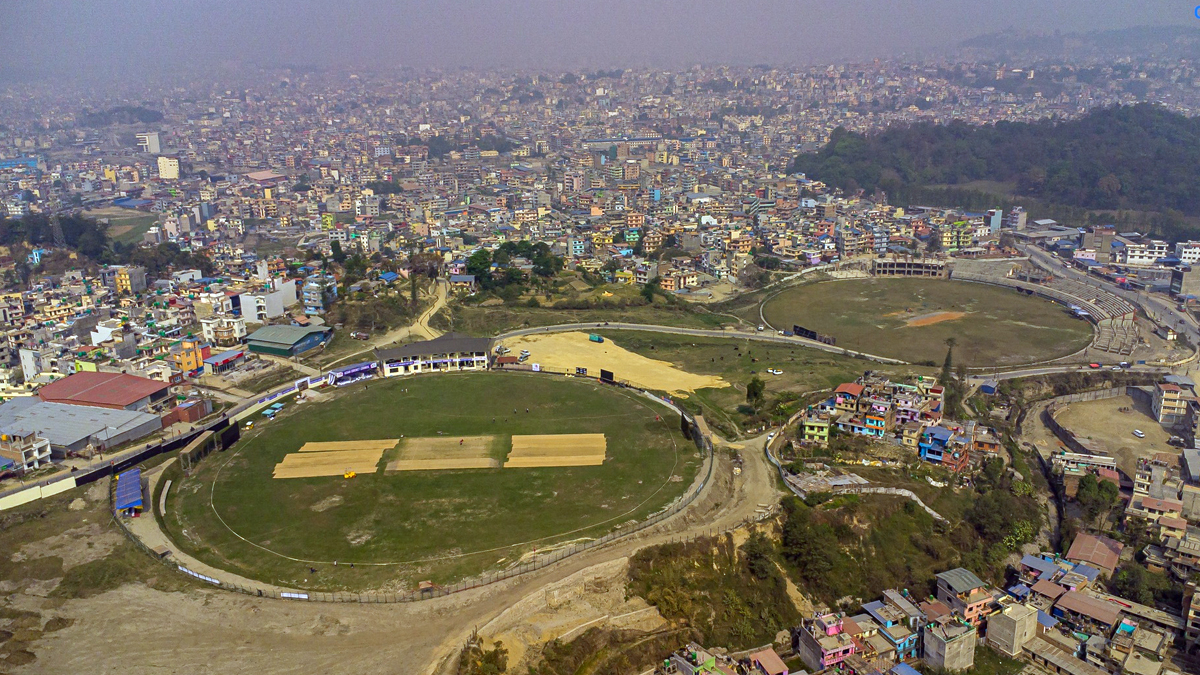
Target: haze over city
{"x":843,"y":337}
{"x":117,"y":38}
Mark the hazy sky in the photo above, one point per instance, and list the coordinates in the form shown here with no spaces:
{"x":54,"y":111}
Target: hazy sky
{"x":83,"y":37}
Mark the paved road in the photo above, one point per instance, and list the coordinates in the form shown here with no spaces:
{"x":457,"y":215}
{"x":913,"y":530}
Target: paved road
{"x":763,"y":336}
{"x":1158,"y":308}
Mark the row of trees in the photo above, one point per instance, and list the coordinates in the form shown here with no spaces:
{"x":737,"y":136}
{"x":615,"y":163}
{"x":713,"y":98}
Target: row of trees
{"x":545,"y":264}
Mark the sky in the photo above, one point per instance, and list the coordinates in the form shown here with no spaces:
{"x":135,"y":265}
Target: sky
{"x":128,"y":38}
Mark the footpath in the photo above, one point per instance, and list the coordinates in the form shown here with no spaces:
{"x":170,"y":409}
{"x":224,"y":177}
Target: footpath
{"x":150,"y":534}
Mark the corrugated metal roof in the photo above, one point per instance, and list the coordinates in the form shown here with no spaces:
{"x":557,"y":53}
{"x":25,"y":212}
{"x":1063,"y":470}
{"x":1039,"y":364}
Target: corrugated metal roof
{"x":64,"y":424}
{"x":283,"y":335}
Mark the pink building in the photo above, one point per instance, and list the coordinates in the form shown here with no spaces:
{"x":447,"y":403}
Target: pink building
{"x":822,"y":643}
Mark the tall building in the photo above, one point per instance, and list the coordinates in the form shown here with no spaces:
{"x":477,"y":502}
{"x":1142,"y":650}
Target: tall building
{"x":1185,"y":281}
{"x":994,"y":220}
{"x":1015,"y":219}
{"x":1191,"y":612}
{"x":130,"y":280}
{"x":950,"y":646}
{"x":168,"y":168}
{"x":1011,"y":629}
{"x":148,"y":142}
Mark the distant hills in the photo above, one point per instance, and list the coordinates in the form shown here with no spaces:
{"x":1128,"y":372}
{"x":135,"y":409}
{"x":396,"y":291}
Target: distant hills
{"x":1142,"y":42}
{"x":1137,"y":157}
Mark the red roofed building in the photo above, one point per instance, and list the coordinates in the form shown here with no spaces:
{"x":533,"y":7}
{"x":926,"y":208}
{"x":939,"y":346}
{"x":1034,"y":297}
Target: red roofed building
{"x":106,"y":390}
{"x":1099,"y":552}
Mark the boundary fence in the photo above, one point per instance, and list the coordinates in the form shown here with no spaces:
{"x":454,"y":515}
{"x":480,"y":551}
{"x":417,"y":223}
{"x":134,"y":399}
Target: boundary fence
{"x":541,"y":561}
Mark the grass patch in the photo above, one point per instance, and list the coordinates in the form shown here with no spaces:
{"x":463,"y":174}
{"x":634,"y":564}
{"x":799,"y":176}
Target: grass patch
{"x":911,"y":319}
{"x":488,"y":517}
{"x":737,"y":360}
{"x":126,"y":564}
{"x":277,"y":376}
{"x":731,"y":596}
{"x":126,"y":226}
{"x":490,"y":321}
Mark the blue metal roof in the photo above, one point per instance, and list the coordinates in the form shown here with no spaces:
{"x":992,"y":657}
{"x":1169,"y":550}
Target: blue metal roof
{"x":1046,"y":620}
{"x":1084,"y":570}
{"x":1040,"y":564}
{"x":129,"y":490}
{"x":903,"y":669}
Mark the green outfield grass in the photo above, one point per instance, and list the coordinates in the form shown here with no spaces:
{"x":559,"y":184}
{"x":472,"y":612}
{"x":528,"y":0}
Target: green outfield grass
{"x":491,"y":515}
{"x":998,"y":326}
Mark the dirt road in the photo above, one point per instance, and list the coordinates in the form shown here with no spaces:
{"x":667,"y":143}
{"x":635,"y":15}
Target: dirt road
{"x":419,"y":328}
{"x":136,"y":629}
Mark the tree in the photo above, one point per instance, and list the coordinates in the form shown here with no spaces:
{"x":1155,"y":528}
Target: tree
{"x":756,"y":391}
{"x":944,"y":378}
{"x":1095,"y":496}
{"x":480,"y":264}
{"x":336,"y":252}
{"x":651,"y":288}
{"x":757,"y":551}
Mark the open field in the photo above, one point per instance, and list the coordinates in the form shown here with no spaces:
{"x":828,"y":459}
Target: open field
{"x":1111,"y":422}
{"x":568,"y":351}
{"x":403,"y":526}
{"x":492,"y":320}
{"x":911,"y":319}
{"x":124,"y":225}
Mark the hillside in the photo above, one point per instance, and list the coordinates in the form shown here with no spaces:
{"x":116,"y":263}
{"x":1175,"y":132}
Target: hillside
{"x":1139,"y":157}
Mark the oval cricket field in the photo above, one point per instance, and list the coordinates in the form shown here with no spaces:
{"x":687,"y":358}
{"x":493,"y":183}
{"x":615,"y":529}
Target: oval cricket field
{"x":910,"y":319}
{"x":452,"y":475}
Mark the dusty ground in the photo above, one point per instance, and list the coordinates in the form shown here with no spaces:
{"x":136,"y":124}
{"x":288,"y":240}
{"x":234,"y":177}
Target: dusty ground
{"x":184,"y":627}
{"x":573,"y":350}
{"x":1111,"y":422}
{"x":935,"y":317}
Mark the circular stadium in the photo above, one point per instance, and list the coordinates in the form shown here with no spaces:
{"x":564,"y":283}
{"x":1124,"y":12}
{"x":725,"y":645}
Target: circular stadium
{"x":911,"y":319}
{"x":440,"y":477}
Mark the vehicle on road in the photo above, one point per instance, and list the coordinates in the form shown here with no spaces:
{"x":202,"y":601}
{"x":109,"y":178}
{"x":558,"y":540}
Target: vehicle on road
{"x":1125,"y":364}
{"x":1139,"y":433}
{"x":1094,"y":366}
{"x":1116,"y":368}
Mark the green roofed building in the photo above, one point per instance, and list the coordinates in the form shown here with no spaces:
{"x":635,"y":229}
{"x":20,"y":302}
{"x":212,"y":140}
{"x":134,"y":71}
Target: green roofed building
{"x":286,"y":340}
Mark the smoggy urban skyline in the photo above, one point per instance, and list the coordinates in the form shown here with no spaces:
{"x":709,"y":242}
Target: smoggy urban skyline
{"x":108,"y":38}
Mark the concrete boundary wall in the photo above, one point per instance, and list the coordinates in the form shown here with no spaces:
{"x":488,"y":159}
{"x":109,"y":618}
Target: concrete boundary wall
{"x":36,"y":492}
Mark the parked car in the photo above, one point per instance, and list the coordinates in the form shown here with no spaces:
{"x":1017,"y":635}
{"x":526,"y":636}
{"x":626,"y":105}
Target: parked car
{"x":359,"y":335}
{"x":1139,"y":433}
{"x":761,"y":328}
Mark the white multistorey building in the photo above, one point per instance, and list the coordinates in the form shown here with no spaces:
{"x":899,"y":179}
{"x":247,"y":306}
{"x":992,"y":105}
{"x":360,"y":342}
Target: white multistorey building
{"x":23,"y":449}
{"x":1145,"y":253}
{"x":1188,"y":251}
{"x":451,"y":352}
